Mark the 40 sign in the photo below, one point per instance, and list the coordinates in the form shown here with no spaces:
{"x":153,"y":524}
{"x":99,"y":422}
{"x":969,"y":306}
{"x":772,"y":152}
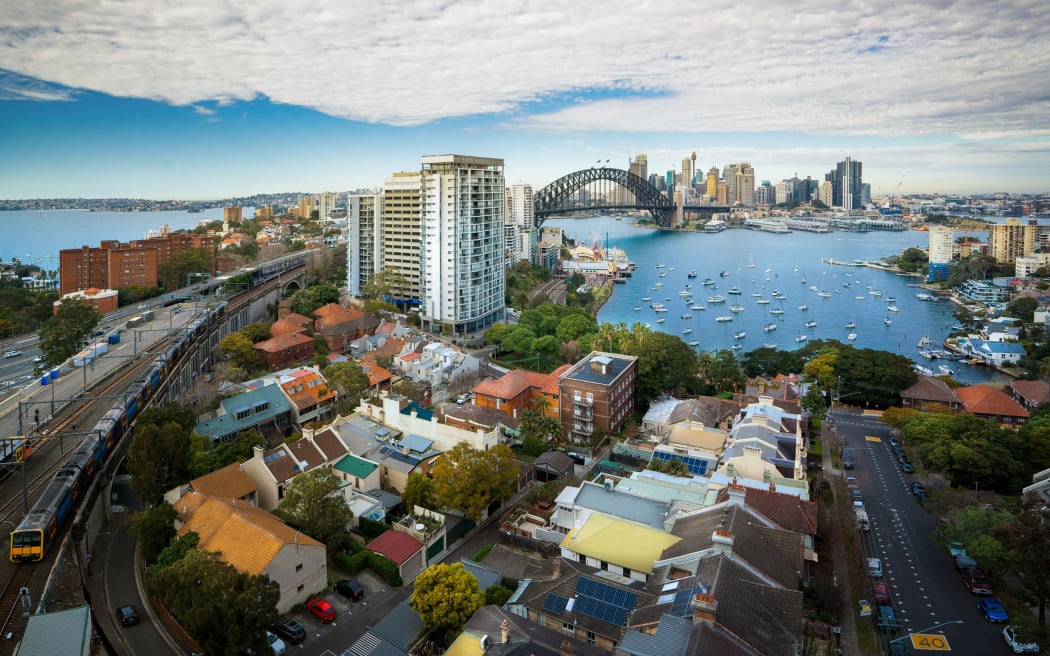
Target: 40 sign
{"x":930,"y":642}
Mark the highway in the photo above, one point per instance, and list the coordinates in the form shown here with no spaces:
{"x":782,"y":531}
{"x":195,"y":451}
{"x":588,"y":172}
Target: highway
{"x":924,"y":586}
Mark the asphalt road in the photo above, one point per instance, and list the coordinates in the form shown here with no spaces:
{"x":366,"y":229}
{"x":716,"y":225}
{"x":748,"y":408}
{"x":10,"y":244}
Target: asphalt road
{"x":924,"y":586}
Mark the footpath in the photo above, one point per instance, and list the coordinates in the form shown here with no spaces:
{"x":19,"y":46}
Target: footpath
{"x":832,"y":532}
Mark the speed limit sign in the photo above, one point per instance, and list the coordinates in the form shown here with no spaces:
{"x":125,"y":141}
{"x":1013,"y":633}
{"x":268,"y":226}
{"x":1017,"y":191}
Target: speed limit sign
{"x":930,"y":641}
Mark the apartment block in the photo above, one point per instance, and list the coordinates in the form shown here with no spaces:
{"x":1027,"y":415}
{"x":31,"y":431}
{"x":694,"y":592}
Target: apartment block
{"x":364,"y":240}
{"x":597,"y":393}
{"x":402,"y":235}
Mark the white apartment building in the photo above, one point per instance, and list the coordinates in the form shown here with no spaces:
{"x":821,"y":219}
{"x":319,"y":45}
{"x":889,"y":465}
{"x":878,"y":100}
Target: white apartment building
{"x":520,"y":233}
{"x":941,"y":244}
{"x":364,"y":240}
{"x":326,"y":203}
{"x":462,"y":202}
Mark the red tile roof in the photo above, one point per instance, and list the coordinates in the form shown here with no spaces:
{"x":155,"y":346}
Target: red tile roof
{"x":513,"y":384}
{"x":281,"y":342}
{"x":985,"y":400}
{"x":398,"y":547}
{"x":1032,"y":391}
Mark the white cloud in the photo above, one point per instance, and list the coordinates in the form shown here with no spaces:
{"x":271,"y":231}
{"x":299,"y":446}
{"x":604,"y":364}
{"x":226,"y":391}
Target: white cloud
{"x":827,"y":67}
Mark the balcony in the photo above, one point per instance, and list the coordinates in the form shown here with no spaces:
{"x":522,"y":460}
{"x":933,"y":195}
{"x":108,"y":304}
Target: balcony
{"x":584,"y":413}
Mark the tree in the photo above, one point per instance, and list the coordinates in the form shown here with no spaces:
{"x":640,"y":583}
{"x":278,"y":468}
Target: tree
{"x":387,"y":285}
{"x":446,"y":596}
{"x":225,"y":611}
{"x":1023,"y":308}
{"x":240,"y":351}
{"x":63,"y":334}
{"x":419,"y":491}
{"x":467,"y":479}
{"x":539,"y":430}
{"x":305,"y":301}
{"x":1027,"y":538}
{"x":574,"y":326}
{"x":313,"y":503}
{"x":174,"y":272}
{"x":256,"y":332}
{"x":352,"y":382}
{"x":183,"y":415}
{"x":159,"y":459}
{"x":155,"y":528}
{"x":519,"y":340}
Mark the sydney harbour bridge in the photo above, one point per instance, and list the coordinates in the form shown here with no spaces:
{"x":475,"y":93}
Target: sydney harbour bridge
{"x":605,"y":188}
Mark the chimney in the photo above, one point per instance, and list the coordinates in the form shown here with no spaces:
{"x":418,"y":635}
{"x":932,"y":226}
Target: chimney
{"x":557,"y":566}
{"x":704,"y":607}
{"x":504,"y":631}
{"x":767,"y":477}
{"x":566,"y":647}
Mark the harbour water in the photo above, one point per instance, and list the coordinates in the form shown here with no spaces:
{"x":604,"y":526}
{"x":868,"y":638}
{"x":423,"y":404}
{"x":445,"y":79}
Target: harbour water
{"x":757,"y":264}
{"x":37,"y":237}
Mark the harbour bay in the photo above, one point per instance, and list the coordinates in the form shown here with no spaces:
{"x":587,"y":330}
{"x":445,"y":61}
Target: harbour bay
{"x":831,"y":297}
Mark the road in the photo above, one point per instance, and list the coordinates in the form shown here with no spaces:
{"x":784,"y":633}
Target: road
{"x":924,"y":586}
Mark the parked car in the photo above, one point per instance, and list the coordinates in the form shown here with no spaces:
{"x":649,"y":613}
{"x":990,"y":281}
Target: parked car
{"x":963,"y":561}
{"x":893,"y":441}
{"x":290,"y":630}
{"x":875,"y":568}
{"x":976,"y":582}
{"x":1018,"y":641}
{"x":882,"y":594}
{"x":886,"y":617}
{"x":992,"y":609}
{"x":956,"y":549}
{"x":321,"y":609}
{"x":128,"y":615}
{"x":276,"y":644}
{"x":918,"y":488}
{"x":350,"y":589}
{"x":907,"y":468}
{"x":857,"y":496}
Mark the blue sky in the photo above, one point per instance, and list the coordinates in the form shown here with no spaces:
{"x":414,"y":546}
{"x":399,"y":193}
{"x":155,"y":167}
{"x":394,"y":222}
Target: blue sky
{"x":201,"y":100}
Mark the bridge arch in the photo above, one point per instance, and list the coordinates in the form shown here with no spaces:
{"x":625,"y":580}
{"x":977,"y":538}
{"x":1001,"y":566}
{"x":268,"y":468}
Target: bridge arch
{"x":558,"y":196}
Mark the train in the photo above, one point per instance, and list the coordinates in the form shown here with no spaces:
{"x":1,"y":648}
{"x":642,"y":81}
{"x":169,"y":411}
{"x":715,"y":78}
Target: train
{"x":39,"y":529}
{"x":13,"y":450}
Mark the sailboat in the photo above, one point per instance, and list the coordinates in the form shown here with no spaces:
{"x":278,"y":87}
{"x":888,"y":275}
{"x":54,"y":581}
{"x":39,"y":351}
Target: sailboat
{"x":750,"y":261}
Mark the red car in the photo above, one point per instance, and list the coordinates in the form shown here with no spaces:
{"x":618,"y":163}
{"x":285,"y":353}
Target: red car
{"x":882,"y":594}
{"x":321,"y":609}
{"x":976,"y":582}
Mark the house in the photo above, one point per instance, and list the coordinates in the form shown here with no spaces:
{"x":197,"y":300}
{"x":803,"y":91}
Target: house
{"x":494,"y":631}
{"x":786,"y":511}
{"x":340,"y":325}
{"x":378,"y":378}
{"x":396,"y":412}
{"x":552,"y":465}
{"x":667,"y":411}
{"x":999,"y":354}
{"x":57,"y":633}
{"x":766,"y":442}
{"x":274,"y":470}
{"x":358,"y":473}
{"x":265,"y":409}
{"x":989,"y":403}
{"x":282,"y":350}
{"x":518,"y":390}
{"x":928,"y":390}
{"x":575,"y":505}
{"x":292,"y":323}
{"x":1029,"y":393}
{"x":618,"y":546}
{"x":407,"y":553}
{"x":597,"y":394}
{"x":229,"y":482}
{"x":311,"y":395}
{"x":393,"y":635}
{"x":472,"y":417}
{"x":400,"y":459}
{"x":693,"y":444}
{"x":256,"y":542}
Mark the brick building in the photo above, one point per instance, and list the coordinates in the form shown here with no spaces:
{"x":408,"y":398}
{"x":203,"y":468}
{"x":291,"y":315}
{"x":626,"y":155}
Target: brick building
{"x":103,"y":300}
{"x":284,"y":350}
{"x":114,"y":265}
{"x":597,"y":393}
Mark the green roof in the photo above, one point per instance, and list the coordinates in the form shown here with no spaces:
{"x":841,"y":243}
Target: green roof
{"x":354,"y":466}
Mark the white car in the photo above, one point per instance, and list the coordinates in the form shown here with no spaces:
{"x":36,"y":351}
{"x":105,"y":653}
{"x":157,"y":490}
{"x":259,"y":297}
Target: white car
{"x":1018,"y":642}
{"x":276,"y":644}
{"x":12,"y":354}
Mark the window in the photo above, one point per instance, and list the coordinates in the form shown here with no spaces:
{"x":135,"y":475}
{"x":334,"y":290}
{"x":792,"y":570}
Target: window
{"x":591,"y":637}
{"x":568,"y":627}
{"x":299,"y":567}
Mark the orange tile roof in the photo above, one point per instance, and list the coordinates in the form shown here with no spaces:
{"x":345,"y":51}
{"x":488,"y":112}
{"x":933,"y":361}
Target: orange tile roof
{"x":376,"y":374}
{"x":985,"y":400}
{"x":244,"y":536}
{"x":515,"y":383}
{"x":292,"y":323}
{"x":308,"y":388}
{"x":281,"y":342}
{"x":229,"y":482}
{"x":333,"y":313}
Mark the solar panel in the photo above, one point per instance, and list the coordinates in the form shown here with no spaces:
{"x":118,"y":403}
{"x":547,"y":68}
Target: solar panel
{"x":555,"y":603}
{"x":680,"y":606}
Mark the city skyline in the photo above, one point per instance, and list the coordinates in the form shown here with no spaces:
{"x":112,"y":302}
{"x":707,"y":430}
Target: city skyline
{"x":199,"y":101}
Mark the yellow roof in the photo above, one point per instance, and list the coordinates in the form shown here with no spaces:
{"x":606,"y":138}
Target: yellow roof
{"x":620,"y":542}
{"x":468,"y":643}
{"x":244,"y":536}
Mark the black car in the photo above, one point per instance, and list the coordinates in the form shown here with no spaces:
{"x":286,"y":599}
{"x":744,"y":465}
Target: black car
{"x":918,"y":489}
{"x":350,"y":589}
{"x":128,"y":615}
{"x":290,"y":630}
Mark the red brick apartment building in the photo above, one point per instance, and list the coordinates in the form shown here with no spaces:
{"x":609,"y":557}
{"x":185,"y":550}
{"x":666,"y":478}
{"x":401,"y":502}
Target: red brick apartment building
{"x":114,"y":265}
{"x":597,"y":393}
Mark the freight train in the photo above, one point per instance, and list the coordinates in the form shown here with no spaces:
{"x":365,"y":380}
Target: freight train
{"x":41,"y":527}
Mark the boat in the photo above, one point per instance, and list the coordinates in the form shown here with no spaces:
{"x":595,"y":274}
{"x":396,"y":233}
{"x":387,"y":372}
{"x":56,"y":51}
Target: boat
{"x":919,"y":369}
{"x":851,"y":325}
{"x":687,"y":316}
{"x":620,"y":281}
{"x":859,"y":298}
{"x":891,"y":299}
{"x":763,"y":301}
{"x":736,"y":308}
{"x":694,"y":343}
{"x":813,"y":288}
{"x":696,"y":308}
{"x":750,"y":261}
{"x":637,"y":308}
{"x":875,"y":292}
{"x":660,"y":309}
{"x":661,"y":320}
{"x":928,"y":354}
{"x":708,"y":282}
{"x":887,"y":321}
{"x":770,"y":327}
{"x":756,"y":295}
{"x":659,"y":266}
{"x":685,"y":292}
{"x":646,"y":299}
{"x":663,"y":273}
{"x":735,"y":290}
{"x":724,"y":317}
{"x":803,"y":307}
{"x":691,"y":274}
{"x":740,"y":335}
{"x":776,"y":311}
{"x":801,"y":338}
{"x":647,"y":324}
{"x":686,"y":331}
{"x":736,"y":347}
{"x":945,"y":370}
{"x":957,"y":326}
{"x":770,"y":345}
{"x":670,"y":268}
{"x":717,"y":298}
{"x":924,"y":297}
{"x":824,"y":294}
{"x":658,"y":285}
{"x":811,"y":324}
{"x":850,"y":337}
{"x":724,"y":274}
{"x":925,"y":341}
{"x":892,"y":308}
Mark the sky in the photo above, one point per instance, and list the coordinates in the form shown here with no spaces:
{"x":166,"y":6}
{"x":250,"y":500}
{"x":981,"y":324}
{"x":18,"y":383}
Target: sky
{"x":196,"y":99}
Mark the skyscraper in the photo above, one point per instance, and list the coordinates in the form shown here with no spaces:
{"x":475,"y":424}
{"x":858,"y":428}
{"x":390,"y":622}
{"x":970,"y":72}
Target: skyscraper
{"x":941,"y":246}
{"x":364,"y":240}
{"x":1014,"y":239}
{"x":401,"y":233}
{"x":745,"y":184}
{"x":326,"y":206}
{"x":462,"y":202}
{"x":712,"y":182}
{"x":847,"y":182}
{"x":520,"y":223}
